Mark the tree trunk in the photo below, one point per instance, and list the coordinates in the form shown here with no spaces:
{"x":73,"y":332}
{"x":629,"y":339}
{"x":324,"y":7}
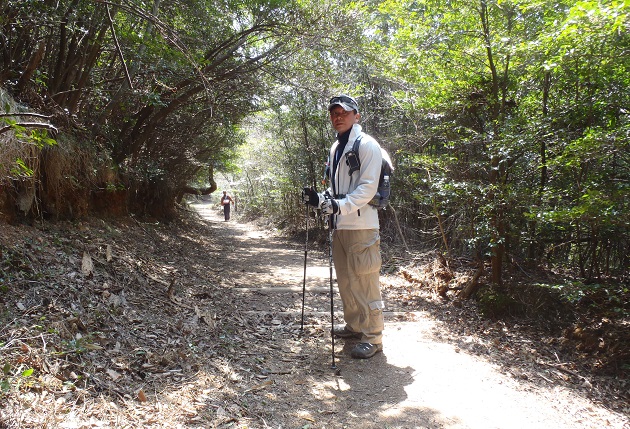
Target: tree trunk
{"x":497,"y":221}
{"x":33,"y":64}
{"x":473,"y":285}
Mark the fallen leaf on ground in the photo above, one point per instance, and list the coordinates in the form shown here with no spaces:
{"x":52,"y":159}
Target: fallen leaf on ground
{"x":259,"y":386}
{"x":141,"y":396}
{"x":87,"y":266}
{"x":113,"y":374}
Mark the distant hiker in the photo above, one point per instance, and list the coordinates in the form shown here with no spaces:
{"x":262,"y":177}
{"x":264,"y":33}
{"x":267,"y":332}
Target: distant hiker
{"x":225,"y":202}
{"x":354,"y":181}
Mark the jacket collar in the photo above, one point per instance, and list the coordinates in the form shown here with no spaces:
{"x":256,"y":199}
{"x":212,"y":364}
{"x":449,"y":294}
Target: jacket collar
{"x":354,"y":133}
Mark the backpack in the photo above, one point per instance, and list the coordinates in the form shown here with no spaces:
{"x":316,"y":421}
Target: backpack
{"x":383,"y":193}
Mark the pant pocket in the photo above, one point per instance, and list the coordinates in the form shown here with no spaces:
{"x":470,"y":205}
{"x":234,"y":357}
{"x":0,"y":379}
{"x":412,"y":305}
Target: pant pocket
{"x":365,"y":258}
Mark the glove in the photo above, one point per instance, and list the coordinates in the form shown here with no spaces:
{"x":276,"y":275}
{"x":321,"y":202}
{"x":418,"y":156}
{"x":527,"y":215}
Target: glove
{"x":329,"y":207}
{"x":310,"y":196}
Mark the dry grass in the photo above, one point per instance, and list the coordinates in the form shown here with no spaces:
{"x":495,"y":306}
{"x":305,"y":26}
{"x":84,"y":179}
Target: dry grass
{"x":68,"y":176}
{"x":53,"y":180}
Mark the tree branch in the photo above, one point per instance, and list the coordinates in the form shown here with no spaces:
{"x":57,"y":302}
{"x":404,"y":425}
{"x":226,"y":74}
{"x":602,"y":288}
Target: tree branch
{"x":35,"y":115}
{"x":29,"y":125}
{"x":120,"y":53}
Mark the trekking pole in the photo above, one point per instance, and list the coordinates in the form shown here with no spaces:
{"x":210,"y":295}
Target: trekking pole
{"x":305,"y":253}
{"x":332,"y":312}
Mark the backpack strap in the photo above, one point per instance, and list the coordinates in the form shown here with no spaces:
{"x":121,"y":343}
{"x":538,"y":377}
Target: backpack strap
{"x":352,"y":156}
{"x":355,"y":145}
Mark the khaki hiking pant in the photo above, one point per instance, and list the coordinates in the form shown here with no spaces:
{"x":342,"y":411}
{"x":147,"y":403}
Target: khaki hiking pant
{"x":357,"y":258}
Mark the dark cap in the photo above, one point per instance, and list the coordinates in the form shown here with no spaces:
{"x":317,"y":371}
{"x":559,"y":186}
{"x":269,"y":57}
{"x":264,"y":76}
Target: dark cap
{"x":348,"y":103}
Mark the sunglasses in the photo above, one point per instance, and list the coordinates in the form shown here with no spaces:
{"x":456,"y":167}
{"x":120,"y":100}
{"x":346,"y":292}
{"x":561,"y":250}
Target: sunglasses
{"x":340,"y":114}
{"x":343,"y":99}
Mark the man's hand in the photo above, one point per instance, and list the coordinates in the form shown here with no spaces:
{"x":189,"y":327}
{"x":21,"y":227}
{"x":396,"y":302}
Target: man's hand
{"x":329,"y":207}
{"x":310,"y":196}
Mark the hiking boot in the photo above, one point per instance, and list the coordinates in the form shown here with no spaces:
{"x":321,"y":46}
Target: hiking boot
{"x":346,"y":333}
{"x":365,"y":350}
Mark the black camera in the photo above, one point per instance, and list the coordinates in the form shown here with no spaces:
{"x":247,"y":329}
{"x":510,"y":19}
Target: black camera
{"x":352,"y":160}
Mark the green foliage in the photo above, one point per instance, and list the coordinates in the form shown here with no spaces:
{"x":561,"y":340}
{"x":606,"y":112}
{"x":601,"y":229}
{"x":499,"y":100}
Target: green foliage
{"x":162,"y":88}
{"x":39,"y":138}
{"x":498,"y":304}
{"x":15,"y":378}
{"x":474,"y":90}
{"x":74,"y":346}
{"x":21,"y":169}
{"x":612,"y":299}
{"x":111,"y":187}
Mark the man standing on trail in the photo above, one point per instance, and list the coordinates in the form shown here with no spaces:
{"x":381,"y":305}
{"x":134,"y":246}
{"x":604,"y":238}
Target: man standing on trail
{"x":356,"y":241}
{"x":225,"y":202}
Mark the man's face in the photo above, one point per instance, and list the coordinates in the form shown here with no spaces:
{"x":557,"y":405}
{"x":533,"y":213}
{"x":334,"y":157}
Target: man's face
{"x":342,"y":120}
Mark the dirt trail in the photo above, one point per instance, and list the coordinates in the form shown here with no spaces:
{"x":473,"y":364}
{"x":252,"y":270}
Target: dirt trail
{"x":422,"y":380}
